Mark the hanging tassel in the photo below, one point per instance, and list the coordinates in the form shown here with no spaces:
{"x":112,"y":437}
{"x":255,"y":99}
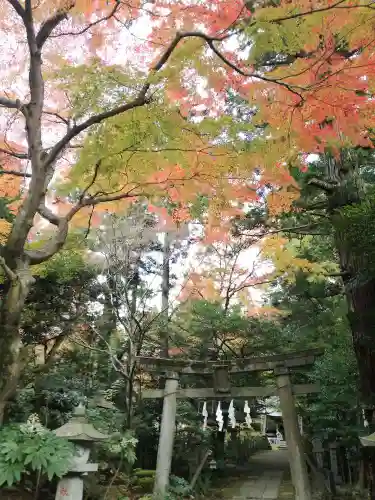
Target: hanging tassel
{"x":205,"y":415}
{"x":219,"y":417}
{"x":248,"y":419}
{"x":232,"y":415}
{"x":365,"y":422}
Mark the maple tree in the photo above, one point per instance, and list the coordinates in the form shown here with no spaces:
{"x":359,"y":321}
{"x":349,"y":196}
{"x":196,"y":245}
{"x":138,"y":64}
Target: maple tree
{"x":57,"y":99}
{"x":320,"y":59}
{"x":133,"y":132}
{"x":224,"y":274}
{"x":324,"y":56}
{"x":55,"y":107}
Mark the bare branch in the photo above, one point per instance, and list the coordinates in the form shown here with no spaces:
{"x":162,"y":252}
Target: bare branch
{"x":19,"y":156}
{"x":92,"y":182}
{"x":91,"y":25}
{"x":87,"y":232}
{"x":294,"y":229}
{"x":16,"y":173}
{"x":57,"y":115}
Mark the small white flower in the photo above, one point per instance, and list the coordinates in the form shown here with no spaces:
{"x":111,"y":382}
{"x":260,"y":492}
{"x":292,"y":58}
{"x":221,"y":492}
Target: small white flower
{"x":33,"y":425}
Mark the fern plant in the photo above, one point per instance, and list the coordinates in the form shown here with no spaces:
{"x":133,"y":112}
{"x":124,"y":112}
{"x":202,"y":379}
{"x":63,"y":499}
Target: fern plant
{"x":26,"y":448}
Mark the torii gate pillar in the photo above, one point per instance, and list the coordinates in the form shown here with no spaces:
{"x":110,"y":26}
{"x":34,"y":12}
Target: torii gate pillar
{"x":297,"y":461}
{"x":166,"y":438}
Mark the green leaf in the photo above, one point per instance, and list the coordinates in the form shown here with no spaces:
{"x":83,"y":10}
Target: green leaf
{"x":17,"y":471}
{"x":28,"y":459}
{"x":10,"y":477}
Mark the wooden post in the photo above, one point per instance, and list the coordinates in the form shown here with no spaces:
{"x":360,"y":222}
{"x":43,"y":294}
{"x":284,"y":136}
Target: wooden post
{"x":318,"y":451}
{"x":334,"y":464}
{"x":300,"y":423}
{"x":199,"y":469}
{"x":264,"y":424}
{"x":166,"y":437}
{"x":297,"y":462}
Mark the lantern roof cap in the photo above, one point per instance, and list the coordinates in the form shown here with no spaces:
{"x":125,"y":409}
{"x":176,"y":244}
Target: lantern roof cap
{"x":79,"y":428}
{"x":368,"y":440}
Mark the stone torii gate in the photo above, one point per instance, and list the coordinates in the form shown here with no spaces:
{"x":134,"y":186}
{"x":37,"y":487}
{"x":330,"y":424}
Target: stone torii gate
{"x":280,"y":365}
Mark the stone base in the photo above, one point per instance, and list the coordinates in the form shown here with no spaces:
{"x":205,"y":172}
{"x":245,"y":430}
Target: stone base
{"x":70,"y":488}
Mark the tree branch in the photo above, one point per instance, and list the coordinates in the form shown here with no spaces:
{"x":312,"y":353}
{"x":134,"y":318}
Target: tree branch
{"x":94,"y":23}
{"x":19,"y":156}
{"x":17,"y":7}
{"x":92,"y":182}
{"x":226,"y":61}
{"x":51,"y":356}
{"x":108,"y":198}
{"x":139,"y":101}
{"x":316,"y":205}
{"x":52,"y":246}
{"x":62,"y":223}
{"x":15,"y":173}
{"x":10,"y":103}
{"x":50,"y":24}
{"x":47,"y":214}
{"x":306,"y":13}
{"x":326,"y":186}
{"x":334,"y":6}
{"x":342,"y":274}
{"x":57,"y":115}
{"x":12,"y":276}
{"x":294,"y":229}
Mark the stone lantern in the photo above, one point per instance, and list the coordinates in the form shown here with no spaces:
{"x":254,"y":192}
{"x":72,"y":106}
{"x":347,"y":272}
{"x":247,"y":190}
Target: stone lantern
{"x":83,"y":434}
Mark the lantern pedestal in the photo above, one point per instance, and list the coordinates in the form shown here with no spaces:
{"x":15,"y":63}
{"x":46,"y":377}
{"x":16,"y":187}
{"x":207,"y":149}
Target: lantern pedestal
{"x":70,"y":487}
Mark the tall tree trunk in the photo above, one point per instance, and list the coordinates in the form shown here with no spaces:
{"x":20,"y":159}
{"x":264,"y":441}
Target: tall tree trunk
{"x":107,"y":325}
{"x":347,"y":189}
{"x":359,"y":288}
{"x":12,"y":353}
{"x":361,"y":315}
{"x":165,"y":287}
{"x":134,"y":344}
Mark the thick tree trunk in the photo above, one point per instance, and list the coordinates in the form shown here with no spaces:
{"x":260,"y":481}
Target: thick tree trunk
{"x":12,"y":353}
{"x":359,"y":290}
{"x":361,"y":314}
